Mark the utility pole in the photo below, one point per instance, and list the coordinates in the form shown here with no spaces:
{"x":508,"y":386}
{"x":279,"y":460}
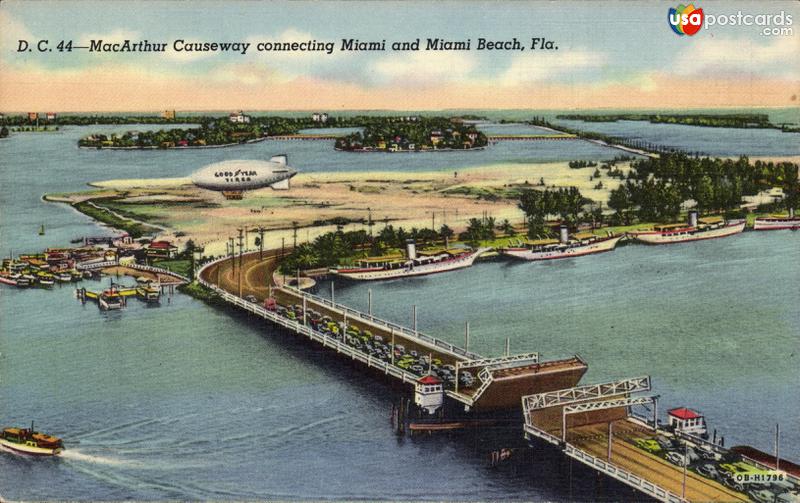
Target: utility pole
{"x":777,"y":446}
{"x":508,"y":346}
{"x":414,"y":318}
{"x":369,"y":301}
{"x":610,"y":436}
{"x":294,"y":234}
{"x":241,"y":246}
{"x":466,"y":337}
{"x":685,"y":462}
{"x":260,"y":243}
{"x":233,"y":254}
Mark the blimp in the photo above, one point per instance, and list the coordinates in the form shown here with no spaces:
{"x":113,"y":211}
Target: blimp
{"x":232,"y":178}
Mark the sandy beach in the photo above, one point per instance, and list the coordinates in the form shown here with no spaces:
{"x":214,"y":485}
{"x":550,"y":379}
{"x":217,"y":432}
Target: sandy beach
{"x":418,"y":199}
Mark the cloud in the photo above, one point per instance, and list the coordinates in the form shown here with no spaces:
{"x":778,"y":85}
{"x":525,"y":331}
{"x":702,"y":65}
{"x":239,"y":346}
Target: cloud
{"x":777,"y":55}
{"x":11,"y":31}
{"x":117,"y":36}
{"x":423,"y":68}
{"x":537,"y":66}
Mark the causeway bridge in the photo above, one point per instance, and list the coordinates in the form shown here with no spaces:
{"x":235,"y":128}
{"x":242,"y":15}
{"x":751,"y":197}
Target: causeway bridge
{"x":596,"y":424}
{"x":491,"y":138}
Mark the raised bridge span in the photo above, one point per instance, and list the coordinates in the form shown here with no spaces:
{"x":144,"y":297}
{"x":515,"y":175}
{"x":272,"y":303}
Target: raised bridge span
{"x":593,"y":424}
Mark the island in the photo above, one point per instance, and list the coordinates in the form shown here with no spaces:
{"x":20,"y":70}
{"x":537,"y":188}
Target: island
{"x":414,"y":134}
{"x":380,"y":133}
{"x":212,"y":133}
{"x":734,"y":120}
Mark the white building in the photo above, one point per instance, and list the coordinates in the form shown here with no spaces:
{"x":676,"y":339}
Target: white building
{"x":687,"y":421}
{"x":239,"y":118}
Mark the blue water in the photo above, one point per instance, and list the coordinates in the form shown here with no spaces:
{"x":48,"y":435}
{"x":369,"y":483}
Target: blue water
{"x":39,"y":163}
{"x":705,"y":140}
{"x":185,"y":401}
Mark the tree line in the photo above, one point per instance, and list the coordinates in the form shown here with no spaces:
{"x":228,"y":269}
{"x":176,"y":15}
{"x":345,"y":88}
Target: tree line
{"x":421,"y":133}
{"x":565,"y":203}
{"x":706,"y":120}
{"x":656,"y":187}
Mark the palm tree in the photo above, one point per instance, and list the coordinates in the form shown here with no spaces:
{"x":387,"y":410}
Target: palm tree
{"x":507,"y":228}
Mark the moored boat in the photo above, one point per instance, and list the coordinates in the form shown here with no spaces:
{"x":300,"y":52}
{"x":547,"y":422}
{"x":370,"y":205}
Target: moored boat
{"x":411,"y":265}
{"x":45,"y":279}
{"x":63,"y":277}
{"x":149,"y":294}
{"x":110,"y":300}
{"x":777,"y":222}
{"x":28,"y":441}
{"x":694,"y":231}
{"x":549,"y":249}
{"x":8,"y":279}
{"x":25,"y":280}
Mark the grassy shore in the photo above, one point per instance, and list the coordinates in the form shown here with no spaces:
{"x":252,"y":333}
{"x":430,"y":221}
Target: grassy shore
{"x":200,"y":292}
{"x":96,"y":211}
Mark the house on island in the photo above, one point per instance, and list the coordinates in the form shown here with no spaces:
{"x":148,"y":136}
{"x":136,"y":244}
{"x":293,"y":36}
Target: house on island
{"x":239,"y":118}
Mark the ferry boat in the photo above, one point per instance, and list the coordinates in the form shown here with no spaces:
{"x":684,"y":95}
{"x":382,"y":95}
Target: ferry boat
{"x":28,"y":441}
{"x":777,"y":222}
{"x":548,"y":249}
{"x":412,"y":265}
{"x":694,"y":231}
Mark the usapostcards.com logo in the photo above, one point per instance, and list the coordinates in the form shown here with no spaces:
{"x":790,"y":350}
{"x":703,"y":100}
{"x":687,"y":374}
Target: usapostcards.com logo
{"x":687,"y":20}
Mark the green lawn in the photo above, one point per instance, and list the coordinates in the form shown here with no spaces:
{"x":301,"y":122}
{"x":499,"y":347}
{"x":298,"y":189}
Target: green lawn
{"x":182,"y":267}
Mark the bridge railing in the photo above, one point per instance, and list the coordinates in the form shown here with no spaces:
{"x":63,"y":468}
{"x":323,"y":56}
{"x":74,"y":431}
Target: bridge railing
{"x":399,"y":329}
{"x":95,"y":265}
{"x":298,"y":327}
{"x":622,"y":475}
{"x":149,"y":268}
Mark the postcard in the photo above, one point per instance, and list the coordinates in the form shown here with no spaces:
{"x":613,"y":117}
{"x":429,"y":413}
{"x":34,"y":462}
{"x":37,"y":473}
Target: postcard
{"x":399,"y":251}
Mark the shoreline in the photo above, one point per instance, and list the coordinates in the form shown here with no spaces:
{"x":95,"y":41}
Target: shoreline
{"x":188,"y":147}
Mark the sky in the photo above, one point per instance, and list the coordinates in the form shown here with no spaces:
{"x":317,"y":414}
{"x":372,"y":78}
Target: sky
{"x":610,"y":55}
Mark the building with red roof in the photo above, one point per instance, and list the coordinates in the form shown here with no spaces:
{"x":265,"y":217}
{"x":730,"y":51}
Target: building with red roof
{"x":687,"y":421}
{"x":161,"y":249}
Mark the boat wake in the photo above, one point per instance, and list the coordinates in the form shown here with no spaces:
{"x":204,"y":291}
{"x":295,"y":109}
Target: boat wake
{"x":77,"y":455}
